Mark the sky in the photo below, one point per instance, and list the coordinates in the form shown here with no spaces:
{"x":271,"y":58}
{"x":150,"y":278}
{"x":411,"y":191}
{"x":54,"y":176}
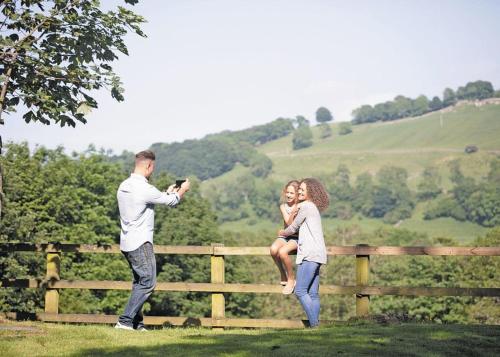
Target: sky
{"x":213,"y":65}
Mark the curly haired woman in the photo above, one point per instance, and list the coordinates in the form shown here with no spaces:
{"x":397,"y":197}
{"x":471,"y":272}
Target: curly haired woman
{"x":311,"y":252}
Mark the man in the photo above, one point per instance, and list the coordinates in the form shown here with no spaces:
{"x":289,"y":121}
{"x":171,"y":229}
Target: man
{"x":136,"y":200}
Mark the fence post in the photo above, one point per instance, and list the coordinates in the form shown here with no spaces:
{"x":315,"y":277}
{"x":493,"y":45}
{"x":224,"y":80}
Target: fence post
{"x":362,"y":272}
{"x":217,"y":276}
{"x":53,"y":270}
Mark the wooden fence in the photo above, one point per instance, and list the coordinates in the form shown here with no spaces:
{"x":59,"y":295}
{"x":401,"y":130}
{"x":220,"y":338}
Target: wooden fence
{"x":217,"y":286}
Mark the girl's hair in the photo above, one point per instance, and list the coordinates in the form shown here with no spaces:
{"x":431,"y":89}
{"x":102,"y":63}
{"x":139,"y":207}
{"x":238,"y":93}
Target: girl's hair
{"x":316,"y":192}
{"x":295,"y":185}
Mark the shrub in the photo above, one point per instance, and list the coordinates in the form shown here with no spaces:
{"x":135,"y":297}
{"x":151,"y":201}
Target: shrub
{"x":345,"y":128}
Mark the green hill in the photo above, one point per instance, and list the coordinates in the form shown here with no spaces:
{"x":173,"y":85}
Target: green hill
{"x":413,"y":144}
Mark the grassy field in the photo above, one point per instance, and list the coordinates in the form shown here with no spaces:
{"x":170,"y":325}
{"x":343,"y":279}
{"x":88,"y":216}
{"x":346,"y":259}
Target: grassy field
{"x":346,"y":339}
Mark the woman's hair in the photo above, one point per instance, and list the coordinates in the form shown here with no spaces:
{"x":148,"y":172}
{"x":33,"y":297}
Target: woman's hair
{"x":294,"y":184}
{"x":316,"y":192}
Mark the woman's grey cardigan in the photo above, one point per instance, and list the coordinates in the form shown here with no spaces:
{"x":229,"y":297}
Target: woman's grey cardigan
{"x":311,"y":241}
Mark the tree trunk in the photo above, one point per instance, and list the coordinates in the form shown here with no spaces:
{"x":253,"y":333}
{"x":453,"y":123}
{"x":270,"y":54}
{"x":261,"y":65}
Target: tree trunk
{"x":1,"y":188}
{"x":2,"y":95}
{"x":2,"y":99}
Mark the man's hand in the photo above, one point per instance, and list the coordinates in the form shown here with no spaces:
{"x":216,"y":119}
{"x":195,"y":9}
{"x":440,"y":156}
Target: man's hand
{"x":171,"y":188}
{"x":186,"y":185}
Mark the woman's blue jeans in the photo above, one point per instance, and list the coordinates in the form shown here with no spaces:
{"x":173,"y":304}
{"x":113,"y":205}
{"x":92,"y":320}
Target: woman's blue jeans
{"x":307,"y":290}
{"x":143,"y":264}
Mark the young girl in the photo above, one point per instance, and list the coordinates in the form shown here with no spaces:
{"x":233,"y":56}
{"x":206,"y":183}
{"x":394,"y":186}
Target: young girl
{"x":283,"y":246}
{"x":311,"y":251}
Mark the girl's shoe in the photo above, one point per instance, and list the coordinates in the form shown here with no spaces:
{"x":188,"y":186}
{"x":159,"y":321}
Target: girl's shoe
{"x":289,"y":287}
{"x":282,"y":283}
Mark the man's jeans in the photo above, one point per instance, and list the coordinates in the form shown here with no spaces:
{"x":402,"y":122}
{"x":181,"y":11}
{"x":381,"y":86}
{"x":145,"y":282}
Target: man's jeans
{"x":307,"y":288}
{"x":143,"y":264}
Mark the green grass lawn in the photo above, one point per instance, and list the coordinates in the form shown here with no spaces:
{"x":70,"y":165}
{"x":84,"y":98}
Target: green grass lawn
{"x":346,"y":339}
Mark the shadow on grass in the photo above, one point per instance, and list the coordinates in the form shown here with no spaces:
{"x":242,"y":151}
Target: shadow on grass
{"x":346,"y":340}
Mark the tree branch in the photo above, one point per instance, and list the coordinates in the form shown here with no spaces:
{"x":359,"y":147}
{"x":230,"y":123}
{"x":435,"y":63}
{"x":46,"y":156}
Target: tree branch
{"x":34,"y":29}
{"x":3,"y":23}
{"x":8,"y":74}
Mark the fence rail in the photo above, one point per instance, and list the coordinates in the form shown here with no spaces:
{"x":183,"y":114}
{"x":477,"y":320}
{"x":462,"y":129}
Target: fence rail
{"x":222,"y":250}
{"x":217,"y":286}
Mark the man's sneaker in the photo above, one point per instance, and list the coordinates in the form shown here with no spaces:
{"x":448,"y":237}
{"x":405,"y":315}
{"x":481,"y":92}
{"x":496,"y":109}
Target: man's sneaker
{"x":142,"y":328}
{"x":123,"y":327}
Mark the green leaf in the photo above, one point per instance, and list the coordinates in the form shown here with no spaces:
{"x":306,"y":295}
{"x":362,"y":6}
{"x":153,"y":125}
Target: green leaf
{"x":84,"y":108}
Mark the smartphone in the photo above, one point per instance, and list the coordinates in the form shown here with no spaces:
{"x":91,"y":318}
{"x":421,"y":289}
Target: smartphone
{"x":178,"y":183}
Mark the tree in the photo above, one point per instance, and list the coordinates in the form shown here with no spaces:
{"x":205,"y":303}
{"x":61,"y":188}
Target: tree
{"x":475,"y":202}
{"x":199,"y":227}
{"x":325,"y":131}
{"x":435,"y":104}
{"x":461,"y":93}
{"x":379,"y":112}
{"x":420,"y":105}
{"x":52,"y":197}
{"x":392,"y":198}
{"x":341,"y":193}
{"x":260,"y":134}
{"x":301,"y":121}
{"x":363,"y":194}
{"x":205,"y":158}
{"x":478,"y":271}
{"x":215,"y":154}
{"x":55,"y":53}
{"x":323,"y":115}
{"x":302,"y":137}
{"x":479,"y":90}
{"x":266,"y":192}
{"x":445,"y":207}
{"x":260,"y":165}
{"x":429,"y":188}
{"x":403,"y":106}
{"x":363,"y":114}
{"x":449,"y":97}
{"x":56,"y":198}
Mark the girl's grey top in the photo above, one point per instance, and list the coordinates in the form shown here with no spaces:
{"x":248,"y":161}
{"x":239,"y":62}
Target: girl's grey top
{"x":288,"y":210}
{"x":311,"y":241}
